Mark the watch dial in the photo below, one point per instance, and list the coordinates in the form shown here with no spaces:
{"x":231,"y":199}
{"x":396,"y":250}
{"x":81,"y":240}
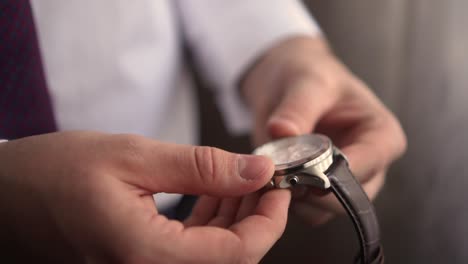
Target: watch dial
{"x":292,"y":150}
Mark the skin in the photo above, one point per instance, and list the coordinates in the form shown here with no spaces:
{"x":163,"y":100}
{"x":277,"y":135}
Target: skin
{"x":87,"y":197}
{"x":300,"y":87}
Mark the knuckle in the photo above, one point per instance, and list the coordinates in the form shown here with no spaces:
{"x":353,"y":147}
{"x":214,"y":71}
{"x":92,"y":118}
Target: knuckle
{"x":129,"y":141}
{"x":402,"y":146}
{"x":204,"y":160}
{"x":400,"y":142}
{"x":389,"y":126}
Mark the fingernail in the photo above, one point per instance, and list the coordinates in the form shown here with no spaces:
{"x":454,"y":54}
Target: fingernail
{"x":253,"y":167}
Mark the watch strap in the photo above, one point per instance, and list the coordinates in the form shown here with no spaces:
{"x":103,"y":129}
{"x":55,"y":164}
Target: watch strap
{"x":358,"y":206}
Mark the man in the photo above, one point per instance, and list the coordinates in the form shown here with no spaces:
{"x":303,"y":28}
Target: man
{"x":116,"y":67}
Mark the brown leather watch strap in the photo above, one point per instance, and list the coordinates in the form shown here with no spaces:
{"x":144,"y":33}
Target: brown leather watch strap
{"x":353,"y":198}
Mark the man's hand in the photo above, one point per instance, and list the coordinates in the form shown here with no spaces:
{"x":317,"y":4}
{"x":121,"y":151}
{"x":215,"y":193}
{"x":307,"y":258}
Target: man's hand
{"x":84,"y":196}
{"x":300,"y":87}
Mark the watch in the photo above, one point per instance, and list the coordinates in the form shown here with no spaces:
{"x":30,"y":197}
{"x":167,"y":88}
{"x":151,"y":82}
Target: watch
{"x":313,"y":160}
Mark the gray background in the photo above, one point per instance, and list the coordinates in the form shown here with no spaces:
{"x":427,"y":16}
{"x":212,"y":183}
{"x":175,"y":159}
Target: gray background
{"x":414,"y":55}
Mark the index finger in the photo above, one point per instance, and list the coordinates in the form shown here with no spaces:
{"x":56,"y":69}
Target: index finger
{"x":249,"y":239}
{"x":301,"y":108}
{"x":260,"y":231}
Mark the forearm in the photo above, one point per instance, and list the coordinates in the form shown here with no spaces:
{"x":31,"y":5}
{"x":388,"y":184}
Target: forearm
{"x":226,"y":49}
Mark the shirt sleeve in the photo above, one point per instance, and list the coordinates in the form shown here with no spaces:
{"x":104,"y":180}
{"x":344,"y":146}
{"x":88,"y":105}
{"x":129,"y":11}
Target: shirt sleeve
{"x":226,"y":37}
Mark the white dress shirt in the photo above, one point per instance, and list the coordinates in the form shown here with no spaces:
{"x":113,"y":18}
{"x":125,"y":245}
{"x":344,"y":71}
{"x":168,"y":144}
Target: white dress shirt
{"x":117,"y":65}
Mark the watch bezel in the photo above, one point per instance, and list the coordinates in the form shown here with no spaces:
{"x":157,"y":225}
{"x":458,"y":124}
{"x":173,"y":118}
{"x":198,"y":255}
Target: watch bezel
{"x":302,"y":163}
{"x":329,"y":169}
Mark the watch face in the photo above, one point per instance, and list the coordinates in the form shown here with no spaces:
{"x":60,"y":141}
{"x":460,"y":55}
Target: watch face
{"x":293,"y":151}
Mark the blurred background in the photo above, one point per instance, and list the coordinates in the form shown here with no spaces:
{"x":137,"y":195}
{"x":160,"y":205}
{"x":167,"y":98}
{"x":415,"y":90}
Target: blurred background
{"x":414,"y":55}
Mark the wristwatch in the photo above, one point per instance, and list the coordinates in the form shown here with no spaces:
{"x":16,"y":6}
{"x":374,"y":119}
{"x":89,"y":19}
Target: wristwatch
{"x":313,"y":160}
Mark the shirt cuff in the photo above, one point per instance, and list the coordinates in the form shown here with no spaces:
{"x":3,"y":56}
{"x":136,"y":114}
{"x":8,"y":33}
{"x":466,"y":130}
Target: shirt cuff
{"x":227,"y":38}
{"x":3,"y":140}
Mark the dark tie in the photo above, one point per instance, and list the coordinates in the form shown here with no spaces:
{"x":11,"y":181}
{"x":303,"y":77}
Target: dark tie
{"x":25,"y":106}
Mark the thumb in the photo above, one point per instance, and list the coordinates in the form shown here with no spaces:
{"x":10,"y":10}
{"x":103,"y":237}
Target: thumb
{"x":204,"y":170}
{"x":301,"y":107}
